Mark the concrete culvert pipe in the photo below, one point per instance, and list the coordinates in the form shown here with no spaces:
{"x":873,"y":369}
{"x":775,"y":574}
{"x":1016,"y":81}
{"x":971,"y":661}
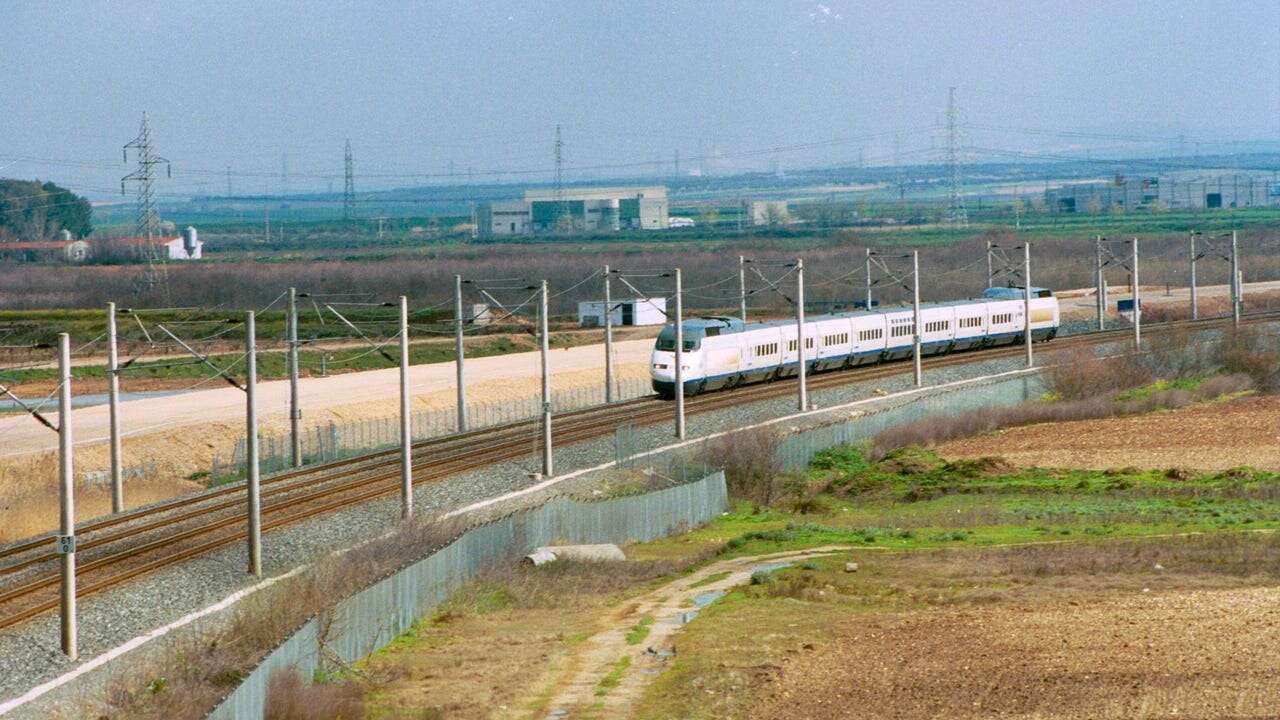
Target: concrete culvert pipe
{"x":583,"y":553}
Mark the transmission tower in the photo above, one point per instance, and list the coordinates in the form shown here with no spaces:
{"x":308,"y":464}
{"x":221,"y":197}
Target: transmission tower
{"x":148,"y":220}
{"x":956,"y":214}
{"x":284,"y":173}
{"x":349,"y":185}
{"x":228,"y":181}
{"x":562,"y":206}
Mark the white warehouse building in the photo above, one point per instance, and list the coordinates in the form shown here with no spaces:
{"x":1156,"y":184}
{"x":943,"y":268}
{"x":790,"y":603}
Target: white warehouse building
{"x":588,"y":210}
{"x":629,"y":311}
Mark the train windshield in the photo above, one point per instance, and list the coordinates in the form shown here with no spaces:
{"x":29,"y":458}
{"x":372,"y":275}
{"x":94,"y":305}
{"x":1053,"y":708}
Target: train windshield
{"x":667,"y":339}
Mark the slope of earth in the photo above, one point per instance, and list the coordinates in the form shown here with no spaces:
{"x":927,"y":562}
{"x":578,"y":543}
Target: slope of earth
{"x":1207,"y":437}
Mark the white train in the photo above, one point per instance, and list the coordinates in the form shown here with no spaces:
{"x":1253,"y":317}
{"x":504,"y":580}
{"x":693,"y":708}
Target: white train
{"x":723,"y":352}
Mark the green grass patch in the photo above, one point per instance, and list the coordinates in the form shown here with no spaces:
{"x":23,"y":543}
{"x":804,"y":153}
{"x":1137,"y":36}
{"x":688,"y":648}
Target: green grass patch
{"x":712,"y":578}
{"x":639,"y":631}
{"x":614,"y":676}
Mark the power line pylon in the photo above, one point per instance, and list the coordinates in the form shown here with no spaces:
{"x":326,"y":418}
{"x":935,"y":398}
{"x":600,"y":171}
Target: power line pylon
{"x":148,"y":219}
{"x":957,"y":216}
{"x":349,"y":184}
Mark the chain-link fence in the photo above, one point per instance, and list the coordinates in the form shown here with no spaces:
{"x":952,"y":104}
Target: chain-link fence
{"x":335,"y":440}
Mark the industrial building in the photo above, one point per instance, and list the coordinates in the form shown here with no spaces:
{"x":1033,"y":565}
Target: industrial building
{"x":1174,"y":192}
{"x":589,"y":210}
{"x":631,"y":311}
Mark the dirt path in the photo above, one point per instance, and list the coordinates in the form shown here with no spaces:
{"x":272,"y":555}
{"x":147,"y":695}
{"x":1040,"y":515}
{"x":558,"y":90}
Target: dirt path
{"x":608,"y":673}
{"x":1207,"y":437}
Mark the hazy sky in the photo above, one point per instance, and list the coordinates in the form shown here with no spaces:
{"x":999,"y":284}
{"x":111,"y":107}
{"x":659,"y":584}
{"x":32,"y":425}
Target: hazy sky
{"x":416,"y":85}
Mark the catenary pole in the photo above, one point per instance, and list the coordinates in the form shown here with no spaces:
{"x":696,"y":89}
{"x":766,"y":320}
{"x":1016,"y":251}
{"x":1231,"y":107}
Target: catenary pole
{"x":679,"y":362}
{"x":66,"y":501}
{"x":251,"y":445}
{"x":1102,"y":288}
{"x":991,"y":277}
{"x":608,"y":338}
{"x":113,"y":410}
{"x":918,"y":373}
{"x":1026,"y":300}
{"x":548,"y":466}
{"x":1237,"y":287}
{"x":295,"y":408}
{"x":1137,"y":300}
{"x":406,"y":428}
{"x":1195,"y":310}
{"x":868,"y":307}
{"x":459,"y":353}
{"x":742,"y":287}
{"x":802,"y":397}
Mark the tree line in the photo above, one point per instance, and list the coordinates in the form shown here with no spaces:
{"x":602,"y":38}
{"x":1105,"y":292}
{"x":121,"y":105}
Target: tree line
{"x":32,"y":210}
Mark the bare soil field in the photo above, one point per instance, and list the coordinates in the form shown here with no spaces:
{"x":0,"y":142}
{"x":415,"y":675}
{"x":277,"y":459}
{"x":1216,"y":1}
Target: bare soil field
{"x":1123,"y":653}
{"x":1208,"y":437}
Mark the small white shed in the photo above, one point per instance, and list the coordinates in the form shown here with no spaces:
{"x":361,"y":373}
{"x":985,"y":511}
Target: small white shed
{"x":626,"y":311}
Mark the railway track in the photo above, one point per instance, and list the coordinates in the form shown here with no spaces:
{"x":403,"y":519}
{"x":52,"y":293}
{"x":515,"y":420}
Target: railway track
{"x":116,"y":549}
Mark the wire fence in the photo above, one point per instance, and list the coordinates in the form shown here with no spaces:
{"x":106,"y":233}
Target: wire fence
{"x":336,"y":440}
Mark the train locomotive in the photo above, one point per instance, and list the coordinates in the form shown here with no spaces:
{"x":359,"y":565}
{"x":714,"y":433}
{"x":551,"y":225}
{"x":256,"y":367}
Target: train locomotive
{"x":724,"y":352}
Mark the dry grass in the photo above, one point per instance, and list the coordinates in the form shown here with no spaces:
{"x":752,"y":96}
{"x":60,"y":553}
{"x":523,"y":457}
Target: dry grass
{"x":196,"y":673}
{"x":29,"y":496}
{"x":942,"y":428}
{"x":1078,"y":373}
{"x":750,"y":462}
{"x":288,"y":698}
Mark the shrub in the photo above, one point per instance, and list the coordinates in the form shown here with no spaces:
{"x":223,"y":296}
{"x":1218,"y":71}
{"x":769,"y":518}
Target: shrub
{"x":1078,"y":373}
{"x":1251,"y":350}
{"x":289,"y":699}
{"x":750,"y":462}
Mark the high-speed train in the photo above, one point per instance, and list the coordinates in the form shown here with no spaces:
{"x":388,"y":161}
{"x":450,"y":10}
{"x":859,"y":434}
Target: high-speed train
{"x":724,"y":352}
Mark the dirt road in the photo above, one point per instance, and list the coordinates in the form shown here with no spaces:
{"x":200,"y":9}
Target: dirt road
{"x":491,"y":378}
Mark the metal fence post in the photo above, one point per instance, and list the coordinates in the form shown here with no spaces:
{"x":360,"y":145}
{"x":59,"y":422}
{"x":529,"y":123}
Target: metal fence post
{"x":66,"y":504}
